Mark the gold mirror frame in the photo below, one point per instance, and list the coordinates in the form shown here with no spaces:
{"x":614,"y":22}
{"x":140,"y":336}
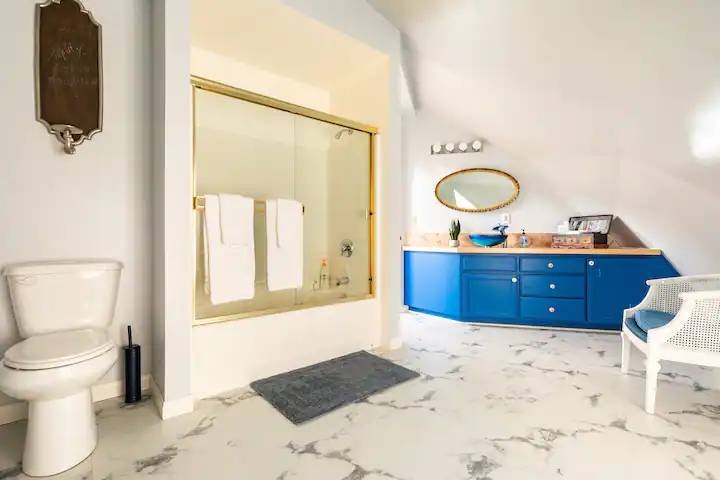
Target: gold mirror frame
{"x":474,"y":210}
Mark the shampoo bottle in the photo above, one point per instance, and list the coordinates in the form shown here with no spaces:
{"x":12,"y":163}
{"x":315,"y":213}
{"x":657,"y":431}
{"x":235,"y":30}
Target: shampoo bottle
{"x":324,"y":277}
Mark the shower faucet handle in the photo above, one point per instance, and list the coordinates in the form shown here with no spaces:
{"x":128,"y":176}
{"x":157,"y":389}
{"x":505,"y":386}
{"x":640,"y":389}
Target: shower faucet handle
{"x":346,"y":248}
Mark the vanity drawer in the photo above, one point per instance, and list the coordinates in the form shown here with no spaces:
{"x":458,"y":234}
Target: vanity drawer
{"x":563,"y":265}
{"x":562,"y":286}
{"x":564,"y":309}
{"x":489,"y":262}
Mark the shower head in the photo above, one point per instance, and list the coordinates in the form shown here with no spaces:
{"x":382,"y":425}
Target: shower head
{"x":344,"y":130}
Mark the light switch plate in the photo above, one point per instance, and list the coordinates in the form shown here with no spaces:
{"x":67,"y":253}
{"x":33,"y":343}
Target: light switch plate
{"x":505,"y":219}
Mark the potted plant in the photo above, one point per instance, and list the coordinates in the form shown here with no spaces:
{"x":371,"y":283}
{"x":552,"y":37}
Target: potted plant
{"x":454,"y":232}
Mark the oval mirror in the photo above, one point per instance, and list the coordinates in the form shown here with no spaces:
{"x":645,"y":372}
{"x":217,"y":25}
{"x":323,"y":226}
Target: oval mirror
{"x":477,"y":190}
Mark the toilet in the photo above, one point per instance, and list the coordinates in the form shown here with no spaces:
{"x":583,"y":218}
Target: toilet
{"x":63,"y":312}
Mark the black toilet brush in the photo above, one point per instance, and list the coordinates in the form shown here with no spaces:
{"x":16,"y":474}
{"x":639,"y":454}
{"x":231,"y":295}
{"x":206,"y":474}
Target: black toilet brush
{"x":133,"y":388}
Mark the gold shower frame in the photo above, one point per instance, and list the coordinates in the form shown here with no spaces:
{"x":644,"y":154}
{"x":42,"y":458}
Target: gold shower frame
{"x":245,"y":95}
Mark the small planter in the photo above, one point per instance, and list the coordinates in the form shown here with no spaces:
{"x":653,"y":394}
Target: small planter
{"x":454,"y":232}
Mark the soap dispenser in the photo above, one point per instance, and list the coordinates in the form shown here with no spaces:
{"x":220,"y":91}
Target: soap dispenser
{"x":524,"y":241}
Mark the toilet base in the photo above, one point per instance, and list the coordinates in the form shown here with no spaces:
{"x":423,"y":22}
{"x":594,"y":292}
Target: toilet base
{"x":61,"y":433}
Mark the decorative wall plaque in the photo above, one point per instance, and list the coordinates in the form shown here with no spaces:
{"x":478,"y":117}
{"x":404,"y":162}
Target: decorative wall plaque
{"x":68,"y":71}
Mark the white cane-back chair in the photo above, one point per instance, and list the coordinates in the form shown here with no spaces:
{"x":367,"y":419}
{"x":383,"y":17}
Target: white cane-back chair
{"x":683,"y":316}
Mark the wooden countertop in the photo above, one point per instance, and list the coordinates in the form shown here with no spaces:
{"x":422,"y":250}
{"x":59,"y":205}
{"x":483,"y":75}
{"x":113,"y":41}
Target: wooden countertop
{"x":535,"y":251}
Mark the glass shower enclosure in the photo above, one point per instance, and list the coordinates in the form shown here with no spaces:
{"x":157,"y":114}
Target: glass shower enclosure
{"x":262,"y":148}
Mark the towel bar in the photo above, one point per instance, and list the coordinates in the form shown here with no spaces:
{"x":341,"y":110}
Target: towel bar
{"x":199,"y":204}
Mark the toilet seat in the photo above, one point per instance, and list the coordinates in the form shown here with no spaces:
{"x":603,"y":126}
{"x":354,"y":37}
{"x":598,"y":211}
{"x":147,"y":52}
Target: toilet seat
{"x":58,"y":349}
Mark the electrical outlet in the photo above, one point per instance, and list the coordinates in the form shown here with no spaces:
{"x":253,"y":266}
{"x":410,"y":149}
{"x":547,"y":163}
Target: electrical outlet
{"x":505,"y":219}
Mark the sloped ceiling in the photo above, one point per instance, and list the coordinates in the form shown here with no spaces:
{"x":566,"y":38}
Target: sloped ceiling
{"x":632,"y":85}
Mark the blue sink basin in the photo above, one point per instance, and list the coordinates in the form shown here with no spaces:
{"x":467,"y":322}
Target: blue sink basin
{"x":487,"y":240}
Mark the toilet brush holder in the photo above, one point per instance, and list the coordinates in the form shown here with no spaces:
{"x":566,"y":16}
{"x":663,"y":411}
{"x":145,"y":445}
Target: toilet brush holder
{"x":133,"y":387}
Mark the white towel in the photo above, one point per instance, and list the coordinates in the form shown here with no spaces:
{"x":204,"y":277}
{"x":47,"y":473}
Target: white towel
{"x":284,"y":223}
{"x":229,"y":269}
{"x":236,"y":219}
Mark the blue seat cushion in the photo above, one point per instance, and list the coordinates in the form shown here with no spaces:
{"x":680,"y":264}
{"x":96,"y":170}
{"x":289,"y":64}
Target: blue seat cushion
{"x":647,"y":319}
{"x":637,"y":331}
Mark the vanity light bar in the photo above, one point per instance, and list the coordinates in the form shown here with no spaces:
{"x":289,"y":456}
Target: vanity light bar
{"x":462,"y":147}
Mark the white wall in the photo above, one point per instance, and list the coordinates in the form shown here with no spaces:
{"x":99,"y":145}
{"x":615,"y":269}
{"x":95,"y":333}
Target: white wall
{"x":626,"y":123}
{"x":664,"y":210}
{"x":97,"y":202}
{"x":538,"y":208}
{"x":215,"y":67}
{"x":172,"y":213}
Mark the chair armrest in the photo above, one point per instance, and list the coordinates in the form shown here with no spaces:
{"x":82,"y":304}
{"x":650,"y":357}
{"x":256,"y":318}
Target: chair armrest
{"x":696,"y":325}
{"x":689,"y":279}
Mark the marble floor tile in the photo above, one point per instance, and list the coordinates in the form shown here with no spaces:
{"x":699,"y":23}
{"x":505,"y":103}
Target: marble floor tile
{"x":491,"y":404}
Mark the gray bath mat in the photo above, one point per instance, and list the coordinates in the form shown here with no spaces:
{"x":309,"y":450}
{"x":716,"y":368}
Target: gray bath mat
{"x":310,"y":392}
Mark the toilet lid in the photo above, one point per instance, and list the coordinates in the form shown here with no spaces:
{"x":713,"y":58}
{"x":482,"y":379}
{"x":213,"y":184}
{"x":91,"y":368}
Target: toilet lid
{"x":58,"y":349}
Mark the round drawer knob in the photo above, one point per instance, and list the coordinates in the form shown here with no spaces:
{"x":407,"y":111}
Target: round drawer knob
{"x":552,"y":309}
{"x":591,"y":263}
{"x":552,"y":286}
{"x":550,"y":265}
{"x":514,"y":280}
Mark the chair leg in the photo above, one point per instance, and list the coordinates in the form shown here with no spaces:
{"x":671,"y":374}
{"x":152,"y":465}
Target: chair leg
{"x":626,"y":346}
{"x":652,"y":368}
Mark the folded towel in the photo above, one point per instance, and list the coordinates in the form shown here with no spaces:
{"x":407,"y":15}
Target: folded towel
{"x":229,"y":269}
{"x":284,"y":223}
{"x":236,"y":219}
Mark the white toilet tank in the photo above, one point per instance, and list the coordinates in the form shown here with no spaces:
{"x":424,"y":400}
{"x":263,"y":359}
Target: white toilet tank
{"x":50,"y":297}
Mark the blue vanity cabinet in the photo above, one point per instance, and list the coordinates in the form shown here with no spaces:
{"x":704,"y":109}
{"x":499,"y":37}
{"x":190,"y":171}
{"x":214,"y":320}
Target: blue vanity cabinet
{"x":552,"y":291}
{"x":615,"y":283}
{"x":489,"y":288}
{"x":432,"y":283}
{"x":488,"y":297}
{"x":569,"y":290}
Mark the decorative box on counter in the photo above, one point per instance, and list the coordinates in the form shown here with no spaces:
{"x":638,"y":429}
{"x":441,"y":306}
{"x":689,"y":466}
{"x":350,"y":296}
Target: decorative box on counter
{"x":585,"y":232}
{"x":579,"y":240}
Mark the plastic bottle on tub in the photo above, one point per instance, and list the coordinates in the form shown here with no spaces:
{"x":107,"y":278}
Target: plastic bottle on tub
{"x":324,"y":277}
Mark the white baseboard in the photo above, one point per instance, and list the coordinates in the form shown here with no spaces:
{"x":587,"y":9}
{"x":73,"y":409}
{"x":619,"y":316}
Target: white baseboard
{"x":396,"y":343}
{"x":404,"y":309}
{"x":170,"y":409}
{"x":156,"y":396}
{"x":19,"y":411}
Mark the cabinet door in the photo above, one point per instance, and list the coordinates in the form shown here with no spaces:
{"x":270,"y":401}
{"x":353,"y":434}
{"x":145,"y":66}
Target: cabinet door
{"x":617,"y":283}
{"x":432,"y":282}
{"x":489,"y":296}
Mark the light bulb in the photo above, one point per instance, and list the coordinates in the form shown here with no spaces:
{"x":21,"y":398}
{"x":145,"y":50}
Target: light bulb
{"x":477,"y":145}
{"x":462,"y":147}
{"x":450,"y":147}
{"x":436,"y":148}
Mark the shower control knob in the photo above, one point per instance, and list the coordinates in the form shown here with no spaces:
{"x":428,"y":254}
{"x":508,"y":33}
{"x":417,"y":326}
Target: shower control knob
{"x":591,"y":263}
{"x":347,"y":248}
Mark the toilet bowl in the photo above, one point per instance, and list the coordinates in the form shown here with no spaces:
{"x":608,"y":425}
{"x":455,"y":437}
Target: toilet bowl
{"x":63,"y":311}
